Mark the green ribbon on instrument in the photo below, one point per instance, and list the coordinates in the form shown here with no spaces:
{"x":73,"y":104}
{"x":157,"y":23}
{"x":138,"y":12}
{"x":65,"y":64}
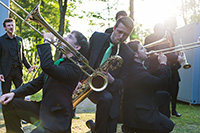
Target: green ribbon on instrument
{"x":107,"y":53}
{"x":56,"y":63}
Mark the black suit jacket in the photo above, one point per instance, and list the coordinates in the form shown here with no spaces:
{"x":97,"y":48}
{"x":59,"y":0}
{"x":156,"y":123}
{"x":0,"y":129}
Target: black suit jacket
{"x":152,"y":63}
{"x":109,"y":30}
{"x":6,"y":57}
{"x":56,"y":104}
{"x":139,"y":109}
{"x":97,"y":42}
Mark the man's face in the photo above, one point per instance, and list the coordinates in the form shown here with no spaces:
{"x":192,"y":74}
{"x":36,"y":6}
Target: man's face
{"x":10,"y":27}
{"x":120,"y":34}
{"x":71,"y":39}
{"x":141,"y":53}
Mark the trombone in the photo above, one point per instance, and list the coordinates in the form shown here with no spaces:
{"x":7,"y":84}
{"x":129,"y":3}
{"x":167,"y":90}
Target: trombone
{"x":96,"y":81}
{"x":36,"y":17}
{"x":81,"y":61}
{"x":20,"y":16}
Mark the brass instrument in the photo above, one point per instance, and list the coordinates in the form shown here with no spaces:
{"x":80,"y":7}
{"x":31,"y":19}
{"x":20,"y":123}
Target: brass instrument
{"x":186,"y":64}
{"x":178,"y":48}
{"x":97,"y":81}
{"x":166,"y":39}
{"x":87,"y":86}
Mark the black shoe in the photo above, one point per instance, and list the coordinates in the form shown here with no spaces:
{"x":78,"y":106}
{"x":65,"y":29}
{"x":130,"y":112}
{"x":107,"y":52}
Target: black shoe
{"x":176,"y":114}
{"x":90,"y":124}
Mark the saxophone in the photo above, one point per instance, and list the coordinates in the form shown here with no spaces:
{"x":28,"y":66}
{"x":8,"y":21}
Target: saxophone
{"x":97,"y":81}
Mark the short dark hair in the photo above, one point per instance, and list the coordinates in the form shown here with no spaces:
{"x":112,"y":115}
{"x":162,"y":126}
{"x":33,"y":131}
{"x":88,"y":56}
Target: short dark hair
{"x":134,"y":45}
{"x":8,"y":20}
{"x":120,"y":13}
{"x":127,"y":21}
{"x":81,"y":41}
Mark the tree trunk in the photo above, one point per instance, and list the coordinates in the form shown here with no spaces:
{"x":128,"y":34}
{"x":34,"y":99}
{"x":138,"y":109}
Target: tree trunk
{"x":63,"y":8}
{"x":132,"y":9}
{"x":131,"y":14}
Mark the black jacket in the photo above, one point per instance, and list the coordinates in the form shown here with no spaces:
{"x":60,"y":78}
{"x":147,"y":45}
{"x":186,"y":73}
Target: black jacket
{"x":6,"y":57}
{"x":152,"y":63}
{"x":139,"y":109}
{"x":97,"y":42}
{"x":56,"y":103}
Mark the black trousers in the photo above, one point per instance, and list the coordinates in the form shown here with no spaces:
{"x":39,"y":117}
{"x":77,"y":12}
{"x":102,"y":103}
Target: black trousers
{"x":174,"y":93}
{"x":19,"y":109}
{"x":103,"y":101}
{"x":162,"y":99}
{"x":166,"y":126}
{"x":14,"y":76}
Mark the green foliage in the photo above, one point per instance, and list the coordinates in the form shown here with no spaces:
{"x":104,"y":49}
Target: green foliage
{"x":37,"y":96}
{"x":139,"y":33}
{"x":190,"y":11}
{"x":48,"y":9}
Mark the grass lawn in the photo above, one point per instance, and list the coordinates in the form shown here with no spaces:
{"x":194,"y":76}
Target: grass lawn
{"x":189,"y":122}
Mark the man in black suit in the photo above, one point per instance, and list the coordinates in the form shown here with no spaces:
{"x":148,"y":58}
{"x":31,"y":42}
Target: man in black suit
{"x":11,"y":57}
{"x":170,"y":25}
{"x":108,"y":100}
{"x":53,"y":114}
{"x":118,"y":16}
{"x":174,"y":60}
{"x":140,"y":110}
{"x":152,"y":65}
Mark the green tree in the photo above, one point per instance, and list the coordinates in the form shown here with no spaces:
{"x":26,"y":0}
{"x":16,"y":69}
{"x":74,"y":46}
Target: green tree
{"x":190,"y":11}
{"x":31,"y":38}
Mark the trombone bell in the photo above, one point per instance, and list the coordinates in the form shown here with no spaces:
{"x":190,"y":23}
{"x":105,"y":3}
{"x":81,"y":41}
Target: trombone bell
{"x":164,"y":40}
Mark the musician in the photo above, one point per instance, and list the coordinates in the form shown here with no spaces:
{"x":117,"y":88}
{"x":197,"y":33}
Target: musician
{"x":152,"y":66}
{"x":108,"y":100}
{"x":140,"y":110}
{"x":174,"y":60}
{"x":170,"y":25}
{"x":118,"y":16}
{"x":11,"y":57}
{"x":58,"y":80}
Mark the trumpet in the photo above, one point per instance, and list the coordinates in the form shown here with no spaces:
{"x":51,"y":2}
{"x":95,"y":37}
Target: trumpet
{"x":186,"y":64}
{"x":178,"y":48}
{"x":96,"y":80}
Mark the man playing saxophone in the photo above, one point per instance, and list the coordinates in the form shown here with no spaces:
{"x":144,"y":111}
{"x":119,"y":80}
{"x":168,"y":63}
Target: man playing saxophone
{"x":108,"y":100}
{"x":53,"y":113}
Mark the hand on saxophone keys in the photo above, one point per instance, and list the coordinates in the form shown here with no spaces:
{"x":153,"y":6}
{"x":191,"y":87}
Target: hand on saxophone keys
{"x":111,"y":79}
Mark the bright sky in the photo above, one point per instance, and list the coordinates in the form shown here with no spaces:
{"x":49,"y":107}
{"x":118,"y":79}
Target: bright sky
{"x":147,"y":13}
{"x":150,"y":12}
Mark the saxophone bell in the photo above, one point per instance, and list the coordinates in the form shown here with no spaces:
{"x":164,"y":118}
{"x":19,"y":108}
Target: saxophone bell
{"x":98,"y":81}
